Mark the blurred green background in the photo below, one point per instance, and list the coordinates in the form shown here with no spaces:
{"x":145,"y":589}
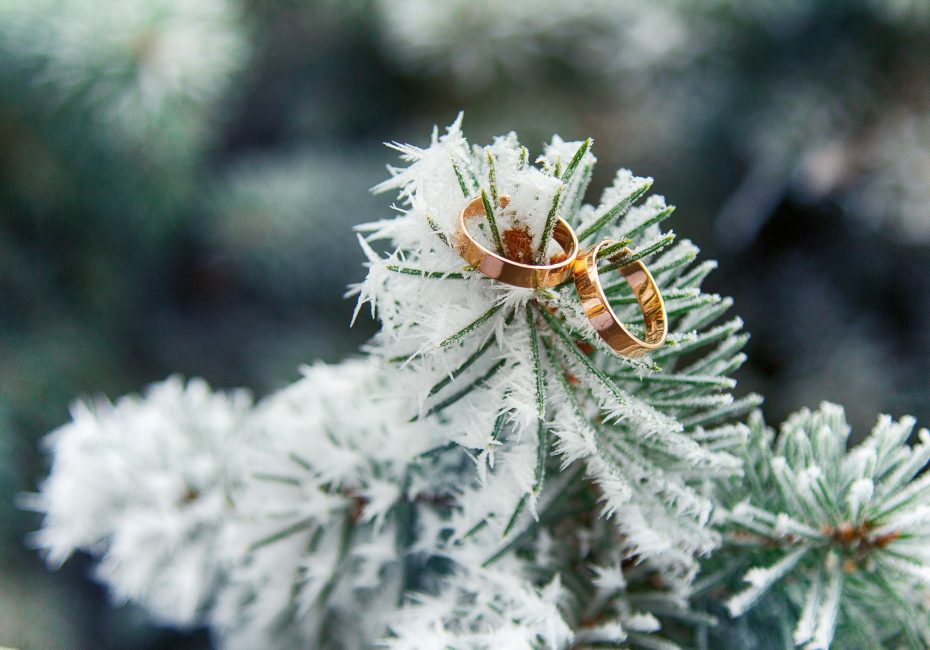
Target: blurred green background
{"x":179,"y":180}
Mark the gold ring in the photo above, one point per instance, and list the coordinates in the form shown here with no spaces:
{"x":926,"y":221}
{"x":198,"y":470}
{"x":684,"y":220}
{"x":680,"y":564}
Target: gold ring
{"x":506,"y":270}
{"x":603,"y":318}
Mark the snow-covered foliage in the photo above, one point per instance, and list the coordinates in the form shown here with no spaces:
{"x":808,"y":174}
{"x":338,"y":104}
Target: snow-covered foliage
{"x":318,"y":526}
{"x":521,"y":373}
{"x":842,"y":533}
{"x":491,"y":475}
{"x":146,"y":483}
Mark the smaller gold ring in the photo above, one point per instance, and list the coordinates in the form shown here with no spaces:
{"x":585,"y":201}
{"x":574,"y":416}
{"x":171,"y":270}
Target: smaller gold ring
{"x":602,"y":317}
{"x":506,"y":270}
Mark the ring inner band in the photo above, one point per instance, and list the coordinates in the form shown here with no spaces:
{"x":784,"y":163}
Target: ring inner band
{"x":602,"y":316}
{"x":508,"y":271}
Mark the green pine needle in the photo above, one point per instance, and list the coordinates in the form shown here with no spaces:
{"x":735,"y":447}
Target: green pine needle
{"x":492,"y":222}
{"x":499,"y":422}
{"x":616,"y":211}
{"x":669,"y":295}
{"x":695,"y":276}
{"x":659,"y":217}
{"x":537,"y":366}
{"x":284,"y":533}
{"x":439,"y":275}
{"x":702,"y":340}
{"x":461,"y":179}
{"x":673,"y":264}
{"x":550,"y":225}
{"x":738,"y":408}
{"x":510,"y":524}
{"x":455,"y":397}
{"x":542,"y":452}
{"x":635,"y":255}
{"x":452,"y":376}
{"x":673,"y":379}
{"x":275,"y":478}
{"x":579,"y":189}
{"x":576,"y":159}
{"x":472,"y":326}
{"x":689,"y":306}
{"x":492,"y":176}
{"x":436,"y":229}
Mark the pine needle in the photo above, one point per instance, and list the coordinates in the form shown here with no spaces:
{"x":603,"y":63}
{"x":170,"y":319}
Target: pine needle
{"x":616,"y":211}
{"x":537,"y":366}
{"x":492,"y":222}
{"x":472,"y":326}
{"x":492,"y":177}
{"x":461,"y":179}
{"x":439,"y":275}
{"x":634,"y":256}
{"x":550,"y":225}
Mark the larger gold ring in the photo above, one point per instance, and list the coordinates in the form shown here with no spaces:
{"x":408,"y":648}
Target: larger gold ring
{"x":603,"y":318}
{"x":508,"y":271}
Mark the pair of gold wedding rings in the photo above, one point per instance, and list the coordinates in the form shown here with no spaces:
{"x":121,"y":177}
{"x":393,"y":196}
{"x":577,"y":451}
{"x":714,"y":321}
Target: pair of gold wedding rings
{"x":583,"y":268}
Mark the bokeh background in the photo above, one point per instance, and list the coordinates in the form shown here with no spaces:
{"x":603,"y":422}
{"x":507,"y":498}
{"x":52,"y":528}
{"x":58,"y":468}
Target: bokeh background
{"x":179,"y":180}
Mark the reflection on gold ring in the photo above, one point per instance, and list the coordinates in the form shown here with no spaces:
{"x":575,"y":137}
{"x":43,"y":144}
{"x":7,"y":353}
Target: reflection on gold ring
{"x":506,"y":270}
{"x":602,"y":317}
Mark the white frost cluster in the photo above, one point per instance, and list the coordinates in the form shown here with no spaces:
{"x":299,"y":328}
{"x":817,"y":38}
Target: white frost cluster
{"x":146,"y":483}
{"x":275,"y":523}
{"x":279,"y":524}
{"x":315,"y":536}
